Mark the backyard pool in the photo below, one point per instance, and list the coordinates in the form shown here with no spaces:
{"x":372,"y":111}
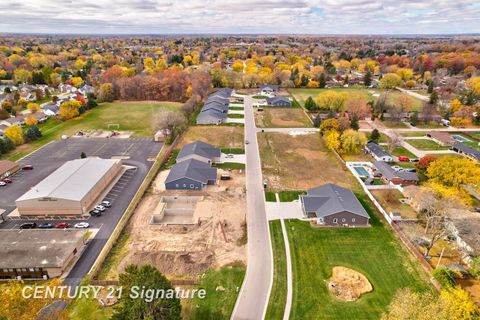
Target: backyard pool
{"x":362,"y":172}
{"x":460,"y":138}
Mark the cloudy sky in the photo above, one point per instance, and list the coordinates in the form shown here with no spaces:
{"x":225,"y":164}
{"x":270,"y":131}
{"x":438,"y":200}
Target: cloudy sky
{"x":240,"y":16}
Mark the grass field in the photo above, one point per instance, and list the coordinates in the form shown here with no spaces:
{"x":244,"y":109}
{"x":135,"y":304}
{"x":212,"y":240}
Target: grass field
{"x":374,"y":251}
{"x":430,"y":125}
{"x":235,"y":116}
{"x":282,"y":118}
{"x":219,"y":136}
{"x":301,"y":95}
{"x":401,"y":151}
{"x":131,"y":116}
{"x":278,"y":296}
{"x":289,"y":196}
{"x":412,"y":134}
{"x":395,"y":124}
{"x":426,"y":144}
{"x":299,"y":162}
{"x":218,"y":304}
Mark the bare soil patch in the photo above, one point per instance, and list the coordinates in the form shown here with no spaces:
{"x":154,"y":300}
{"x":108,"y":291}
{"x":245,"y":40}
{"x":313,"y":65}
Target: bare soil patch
{"x":181,"y":251}
{"x":282,"y":118}
{"x":219,"y":136}
{"x":347,"y":284}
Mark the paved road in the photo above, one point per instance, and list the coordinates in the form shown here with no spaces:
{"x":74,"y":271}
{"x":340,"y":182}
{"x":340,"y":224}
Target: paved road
{"x":414,"y":94}
{"x":288,"y":260}
{"x":289,"y":130}
{"x":253,"y":298}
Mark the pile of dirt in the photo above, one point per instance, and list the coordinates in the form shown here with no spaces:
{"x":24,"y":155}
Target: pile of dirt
{"x":347,"y":284}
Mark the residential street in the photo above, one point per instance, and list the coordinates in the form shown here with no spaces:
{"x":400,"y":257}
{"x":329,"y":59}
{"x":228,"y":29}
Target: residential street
{"x":253,"y":298}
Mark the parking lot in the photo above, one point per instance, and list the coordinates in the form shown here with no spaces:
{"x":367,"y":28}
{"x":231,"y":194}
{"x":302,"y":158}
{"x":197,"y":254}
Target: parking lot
{"x":137,"y":153}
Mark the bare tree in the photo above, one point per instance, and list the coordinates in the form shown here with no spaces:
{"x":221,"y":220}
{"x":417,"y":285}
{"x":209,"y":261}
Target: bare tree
{"x":168,"y":121}
{"x":395,"y":141}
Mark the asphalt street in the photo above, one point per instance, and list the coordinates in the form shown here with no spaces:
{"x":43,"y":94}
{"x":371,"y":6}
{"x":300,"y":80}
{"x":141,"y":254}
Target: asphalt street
{"x":253,"y":297}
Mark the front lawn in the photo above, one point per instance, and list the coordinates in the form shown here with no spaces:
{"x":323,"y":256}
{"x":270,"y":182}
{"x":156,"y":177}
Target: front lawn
{"x":412,"y":134}
{"x":373,"y":251}
{"x":289,"y":196}
{"x":395,"y":124}
{"x":259,"y":97}
{"x":425,"y":144}
{"x":233,"y":150}
{"x":236,"y":108}
{"x":235,"y":116}
{"x":401,"y":151}
{"x":282,"y":118}
{"x":278,"y":294}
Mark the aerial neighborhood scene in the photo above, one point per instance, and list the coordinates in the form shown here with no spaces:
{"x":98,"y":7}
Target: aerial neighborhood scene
{"x":240,"y":160}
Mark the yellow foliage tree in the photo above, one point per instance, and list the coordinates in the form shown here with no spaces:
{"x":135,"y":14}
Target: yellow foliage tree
{"x":331,"y":100}
{"x":329,"y":124}
{"x":332,"y":139}
{"x":33,"y":107}
{"x":15,"y":134}
{"x":31,"y":120}
{"x":69,"y":110}
{"x":352,"y":142}
{"x":237,"y":66}
{"x":77,"y":82}
{"x":456,"y":303}
{"x":22,"y":102}
{"x":390,"y":81}
{"x":455,"y":105}
{"x":459,"y":122}
{"x":474,"y":85}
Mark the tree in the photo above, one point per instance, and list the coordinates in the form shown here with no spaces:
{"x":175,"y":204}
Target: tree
{"x":424,"y":163}
{"x":448,"y":175}
{"x":77,"y":82}
{"x":357,"y":108}
{"x":146,"y":277}
{"x":30,"y":120}
{"x":375,"y":135}
{"x":390,"y":81}
{"x":367,"y":79}
{"x":328,"y":125}
{"x":310,"y":105}
{"x":456,"y":303}
{"x":352,"y":142}
{"x":15,"y":134}
{"x":354,"y":123}
{"x":322,"y":81}
{"x":34,"y":107}
{"x":317,"y":121}
{"x":91,"y":101}
{"x":169,"y":121}
{"x":32,"y":133}
{"x":433,"y":97}
{"x":69,"y":109}
{"x":106,"y":93}
{"x":430,"y":87}
{"x":83,"y":155}
{"x":444,"y":276}
{"x":473,"y":84}
{"x":405,"y":103}
{"x":331,"y":100}
{"x":332,"y":140}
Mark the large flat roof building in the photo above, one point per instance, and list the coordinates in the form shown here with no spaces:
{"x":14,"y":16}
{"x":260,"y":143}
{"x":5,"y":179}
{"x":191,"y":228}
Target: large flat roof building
{"x":71,"y":190}
{"x":38,"y":254}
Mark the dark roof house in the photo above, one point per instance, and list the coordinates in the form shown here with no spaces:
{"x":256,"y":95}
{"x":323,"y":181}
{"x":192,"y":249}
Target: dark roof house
{"x":377,"y":152}
{"x":333,"y":205}
{"x":279,"y":102}
{"x":396,"y":177}
{"x":190,"y":175}
{"x":466,"y":150}
{"x":200,"y":151}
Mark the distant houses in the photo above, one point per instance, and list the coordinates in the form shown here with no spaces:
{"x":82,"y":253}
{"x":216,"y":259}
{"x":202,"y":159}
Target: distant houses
{"x":193,"y":170}
{"x":442,"y":138}
{"x":269,"y":89}
{"x":377,"y":152}
{"x":215,"y":109}
{"x":332,"y":205}
{"x":279,"y":102}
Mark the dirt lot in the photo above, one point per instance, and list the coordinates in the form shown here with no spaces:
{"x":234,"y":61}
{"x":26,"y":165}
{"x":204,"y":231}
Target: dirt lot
{"x":347,"y":284}
{"x":220,"y":136}
{"x":300,"y":162}
{"x":186,"y":251}
{"x":390,"y":201}
{"x":282,"y":118}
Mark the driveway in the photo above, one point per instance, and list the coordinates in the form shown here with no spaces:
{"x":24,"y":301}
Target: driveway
{"x":284,"y":210}
{"x":234,"y":120}
{"x":291,"y":131}
{"x":253,"y":297}
{"x":236,"y":158}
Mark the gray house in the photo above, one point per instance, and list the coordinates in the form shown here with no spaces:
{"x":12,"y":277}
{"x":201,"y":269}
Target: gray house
{"x":190,"y":175}
{"x":215,"y":109}
{"x":377,"y":152}
{"x":211,"y":117}
{"x":279,"y":102}
{"x":390,"y":175}
{"x":467,"y":151}
{"x":331,"y":205}
{"x":200,"y":151}
{"x":269,"y":89}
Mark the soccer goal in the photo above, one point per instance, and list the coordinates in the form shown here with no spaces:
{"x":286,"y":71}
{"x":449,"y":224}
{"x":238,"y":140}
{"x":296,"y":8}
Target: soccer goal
{"x":113,"y":126}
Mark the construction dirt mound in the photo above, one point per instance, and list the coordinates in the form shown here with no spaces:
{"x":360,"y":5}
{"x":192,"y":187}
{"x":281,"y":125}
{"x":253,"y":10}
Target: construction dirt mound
{"x":347,"y":284}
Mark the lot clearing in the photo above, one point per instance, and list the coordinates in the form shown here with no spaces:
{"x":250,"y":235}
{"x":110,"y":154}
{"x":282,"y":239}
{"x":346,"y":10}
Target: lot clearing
{"x":282,"y":118}
{"x":300,"y":162}
{"x":219,"y":136}
{"x":347,"y":284}
{"x":186,"y":251}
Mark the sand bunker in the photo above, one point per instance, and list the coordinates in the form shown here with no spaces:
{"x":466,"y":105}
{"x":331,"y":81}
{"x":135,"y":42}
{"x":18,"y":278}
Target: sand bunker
{"x":347,"y":284}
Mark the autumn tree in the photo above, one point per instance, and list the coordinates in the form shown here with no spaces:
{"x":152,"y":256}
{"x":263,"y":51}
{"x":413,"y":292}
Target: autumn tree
{"x":15,"y":134}
{"x":169,"y":121}
{"x":331,"y":100}
{"x":34,"y":107}
{"x":30,"y":120}
{"x":106,"y":93}
{"x":69,"y":109}
{"x":390,"y":81}
{"x":77,"y":82}
{"x":357,"y":108}
{"x":332,"y":139}
{"x":328,"y":125}
{"x":352,"y":142}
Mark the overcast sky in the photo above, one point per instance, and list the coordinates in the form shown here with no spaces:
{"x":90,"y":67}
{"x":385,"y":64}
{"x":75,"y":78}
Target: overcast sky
{"x":244,"y":16}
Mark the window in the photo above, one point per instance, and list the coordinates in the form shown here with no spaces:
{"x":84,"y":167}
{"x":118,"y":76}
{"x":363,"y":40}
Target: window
{"x":184,"y":185}
{"x":343,"y":220}
{"x":192,"y":186}
{"x":335,"y":220}
{"x":353,"y":219}
{"x":31,"y":269}
{"x":176,"y":186}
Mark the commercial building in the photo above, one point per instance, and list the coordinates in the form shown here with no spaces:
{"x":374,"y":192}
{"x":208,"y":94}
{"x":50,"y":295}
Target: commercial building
{"x":71,"y":190}
{"x":38,"y":254}
{"x":8,"y":168}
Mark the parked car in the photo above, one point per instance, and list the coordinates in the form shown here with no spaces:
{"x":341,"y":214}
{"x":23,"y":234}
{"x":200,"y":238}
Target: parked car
{"x":403,"y":159}
{"x":414,"y":160}
{"x":225,"y":177}
{"x":477,"y":209}
{"x":106,"y":204}
{"x":95,"y":213}
{"x":27,"y":167}
{"x":7,"y":180}
{"x":28,"y":225}
{"x":100,"y":208}
{"x":45,"y":225}
{"x":229,"y":156}
{"x":62,"y":225}
{"x":81,"y":225}
{"x":2,"y":184}
{"x":247,"y":142}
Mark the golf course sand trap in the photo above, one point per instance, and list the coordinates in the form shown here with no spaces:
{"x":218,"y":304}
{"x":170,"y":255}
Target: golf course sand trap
{"x":347,"y":284}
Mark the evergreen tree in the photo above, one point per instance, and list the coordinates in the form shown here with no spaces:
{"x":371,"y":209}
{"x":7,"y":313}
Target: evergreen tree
{"x":430,"y":87}
{"x":91,"y":101}
{"x":322,"y":81}
{"x":83,"y":155}
{"x":434,"y":97}
{"x":375,"y":135}
{"x":354,"y":124}
{"x":310,"y":105}
{"x":367,"y":79}
{"x":317,"y":121}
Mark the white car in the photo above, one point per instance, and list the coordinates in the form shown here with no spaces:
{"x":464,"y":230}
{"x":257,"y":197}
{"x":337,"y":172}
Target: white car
{"x":106,"y":204}
{"x":229,"y":156}
{"x":2,"y":183}
{"x":100,"y":208}
{"x":81,"y":225}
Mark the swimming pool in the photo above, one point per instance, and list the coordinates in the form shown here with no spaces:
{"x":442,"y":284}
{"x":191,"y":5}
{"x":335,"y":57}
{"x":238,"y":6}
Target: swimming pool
{"x":460,"y":138}
{"x":362,"y":172}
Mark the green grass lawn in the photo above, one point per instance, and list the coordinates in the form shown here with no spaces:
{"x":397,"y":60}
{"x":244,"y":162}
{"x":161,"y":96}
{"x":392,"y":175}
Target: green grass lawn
{"x":412,"y":134}
{"x":401,"y":151}
{"x":383,"y":137}
{"x":430,"y":125}
{"x":278,"y":294}
{"x":236,"y":108}
{"x":270,"y":196}
{"x":235,"y":116}
{"x":218,"y":304}
{"x":426,"y":144}
{"x":374,"y":251}
{"x":233,"y":150}
{"x":231,"y":165}
{"x":289,"y":196}
{"x":301,"y":94}
{"x":395,"y":124}
{"x":131,"y":116}
{"x":260,"y":97}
